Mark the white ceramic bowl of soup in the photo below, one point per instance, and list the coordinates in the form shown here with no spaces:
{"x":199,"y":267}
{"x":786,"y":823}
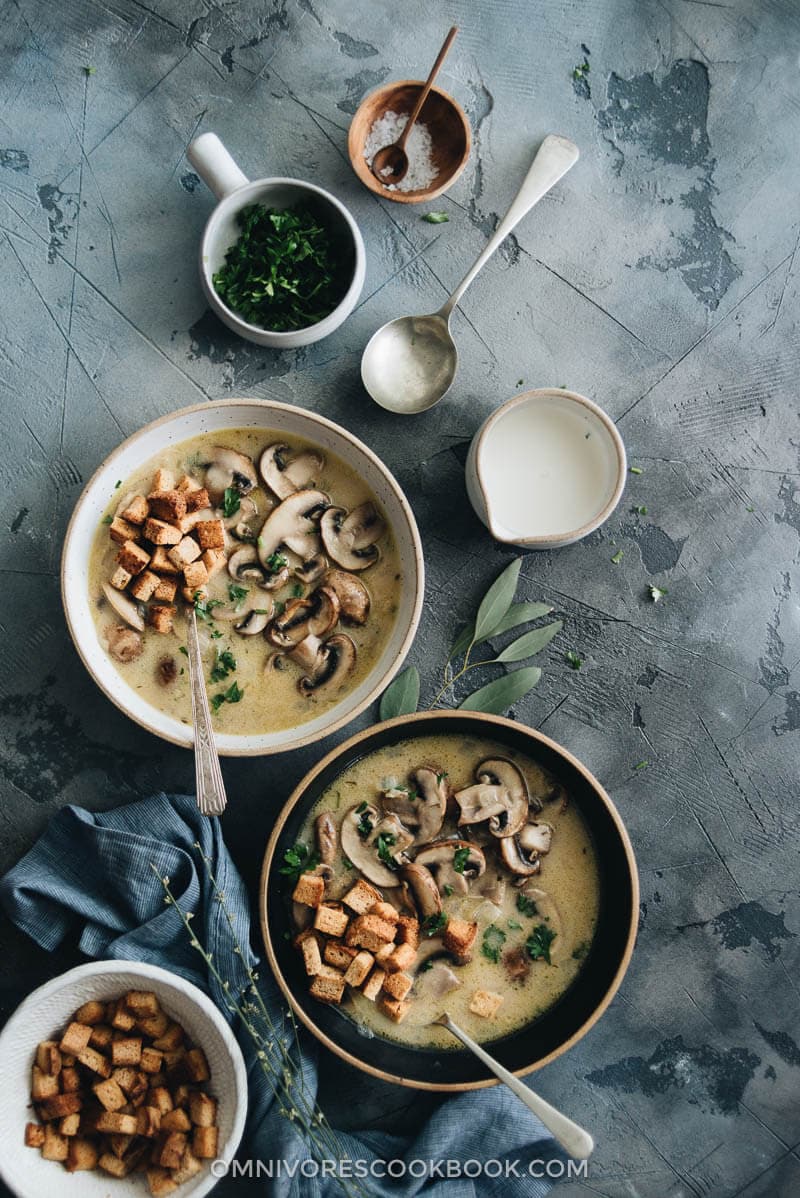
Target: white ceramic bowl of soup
{"x":215,"y":419}
{"x":47,"y":1011}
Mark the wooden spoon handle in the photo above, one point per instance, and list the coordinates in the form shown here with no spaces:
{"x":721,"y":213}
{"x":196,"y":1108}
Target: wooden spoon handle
{"x":423,"y":95}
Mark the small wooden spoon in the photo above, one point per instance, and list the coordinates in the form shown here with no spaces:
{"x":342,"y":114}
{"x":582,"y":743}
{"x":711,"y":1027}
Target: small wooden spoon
{"x":390,"y":163}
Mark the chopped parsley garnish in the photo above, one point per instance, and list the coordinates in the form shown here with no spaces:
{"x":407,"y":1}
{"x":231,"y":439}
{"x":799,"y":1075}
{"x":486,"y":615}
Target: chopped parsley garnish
{"x":580,"y":71}
{"x":365,"y":826}
{"x":276,"y":562}
{"x":580,"y":951}
{"x":362,"y":806}
{"x":426,"y":965}
{"x":441,"y":777}
{"x":224,"y":664}
{"x":237,"y":594}
{"x":298,"y":590}
{"x":232,"y":695}
{"x":460,"y":859}
{"x":216,"y":634}
{"x":182,"y":649}
{"x":514,"y":925}
{"x":205,"y":607}
{"x":287,"y":270}
{"x":573,"y":660}
{"x":299,"y":860}
{"x":118,"y":484}
{"x":640,"y":509}
{"x":231,"y":502}
{"x":433,"y":924}
{"x":447,"y":890}
{"x":385,"y":842}
{"x":107,"y":520}
{"x":347,"y":863}
{"x":526,"y":905}
{"x":493,"y":940}
{"x":538,"y":943}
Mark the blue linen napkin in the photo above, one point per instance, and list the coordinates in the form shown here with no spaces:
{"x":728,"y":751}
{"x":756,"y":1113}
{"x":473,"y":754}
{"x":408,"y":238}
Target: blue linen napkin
{"x":89,"y":877}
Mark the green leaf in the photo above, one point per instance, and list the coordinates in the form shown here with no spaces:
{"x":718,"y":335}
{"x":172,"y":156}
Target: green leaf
{"x":231,"y":502}
{"x":493,"y":940}
{"x":436,"y":218}
{"x":433,"y":924}
{"x":401,"y":696}
{"x":618,"y":556}
{"x":539,"y":942}
{"x":460,"y":859}
{"x":635,"y":470}
{"x":530,"y":642}
{"x":573,"y":660}
{"x":517,"y":614}
{"x":526,"y":905}
{"x":657,"y":593}
{"x":497,"y":600}
{"x":496,"y":697}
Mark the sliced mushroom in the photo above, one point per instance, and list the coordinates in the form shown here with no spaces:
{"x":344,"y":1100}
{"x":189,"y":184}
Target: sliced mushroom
{"x":338,"y":660}
{"x":254,"y":622}
{"x":311,"y":570}
{"x":517,"y":963}
{"x":353,"y":596}
{"x":439,"y":858}
{"x":433,"y":790}
{"x":500,"y":771}
{"x":229,"y":468}
{"x":349,"y":538}
{"x":536,"y":837}
{"x":480,"y":802}
{"x":436,"y":981}
{"x":546,"y":912}
{"x":327,"y":837}
{"x":125,"y":644}
{"x":125,"y":608}
{"x":293,"y":523}
{"x":284,"y":475}
{"x":309,"y":654}
{"x":494,"y":889}
{"x":427,"y":899}
{"x":244,"y":566}
{"x":360,"y":850}
{"x":314,"y":616}
{"x":524,"y":862}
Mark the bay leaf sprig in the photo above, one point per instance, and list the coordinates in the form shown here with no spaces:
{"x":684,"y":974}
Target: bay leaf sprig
{"x":497,"y":613}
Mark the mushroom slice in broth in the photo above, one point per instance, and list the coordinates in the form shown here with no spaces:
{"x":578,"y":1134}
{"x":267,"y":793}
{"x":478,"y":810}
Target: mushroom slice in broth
{"x":285,"y":474}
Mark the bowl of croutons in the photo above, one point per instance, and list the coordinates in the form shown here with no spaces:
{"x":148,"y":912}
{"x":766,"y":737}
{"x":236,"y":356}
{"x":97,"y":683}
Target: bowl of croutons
{"x":122,"y":1079}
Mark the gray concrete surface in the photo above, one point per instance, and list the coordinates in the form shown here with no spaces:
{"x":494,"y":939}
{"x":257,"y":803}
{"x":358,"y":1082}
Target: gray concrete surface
{"x":660,"y":277}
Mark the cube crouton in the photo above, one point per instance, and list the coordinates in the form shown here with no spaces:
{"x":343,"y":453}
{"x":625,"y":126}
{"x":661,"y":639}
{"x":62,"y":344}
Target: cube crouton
{"x":101,"y":1036}
{"x":167,"y":505}
{"x":161,"y":563}
{"x":187,"y":550}
{"x":110,"y":1163}
{"x":181,"y":1095}
{"x":81,"y":1154}
{"x":160,"y":1181}
{"x":197,"y":1065}
{"x":361,"y":897}
{"x":95,"y":1061}
{"x":309,"y":947}
{"x":485,"y":1003}
{"x":211,"y":534}
{"x":176,"y":1120}
{"x":142,"y":1003}
{"x":60,"y":1105}
{"x":163,"y":479}
{"x":397,"y":985}
{"x":145,"y":586}
{"x":160,"y":1098}
{"x":202,"y":1109}
{"x":121,"y":531}
{"x":48,"y":1057}
{"x":213,"y":560}
{"x":155,"y":1026}
{"x":70,"y":1080}
{"x":187,"y":484}
{"x":372,"y":987}
{"x":150,"y":1060}
{"x":127,"y":1052}
{"x":110,"y":1094}
{"x":75,"y":1038}
{"x":133,"y":558}
{"x":331,"y":919}
{"x":359,"y":968}
{"x":189,"y":1167}
{"x":160,"y":533}
{"x":384,"y":952}
{"x":91,"y":1012}
{"x":55,"y":1147}
{"x":69,"y":1124}
{"x":161,"y":617}
{"x":148,"y":1121}
{"x":166,"y":590}
{"x":120,"y":579}
{"x":338,"y":955}
{"x":117,"y":1122}
{"x":369,"y":932}
{"x":197,"y":500}
{"x":326,"y":987}
{"x":195,"y":574}
{"x":136,"y":511}
{"x":172,"y":1148}
{"x":396,"y":1009}
{"x":408,"y":930}
{"x":204,"y":1142}
{"x":34,"y":1135}
{"x":43,"y":1085}
{"x":386,"y":911}
{"x":309,"y":890}
{"x":120,"y":1145}
{"x":401,"y":958}
{"x":170,"y":1038}
{"x":459,"y":937}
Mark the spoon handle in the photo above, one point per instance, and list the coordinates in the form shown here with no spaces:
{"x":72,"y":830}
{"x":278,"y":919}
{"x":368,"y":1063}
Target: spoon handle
{"x":423,"y":95}
{"x":555,"y":157}
{"x":572,"y":1138}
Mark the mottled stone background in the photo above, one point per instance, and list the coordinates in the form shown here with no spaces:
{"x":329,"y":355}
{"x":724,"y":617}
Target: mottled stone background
{"x":660,"y":277}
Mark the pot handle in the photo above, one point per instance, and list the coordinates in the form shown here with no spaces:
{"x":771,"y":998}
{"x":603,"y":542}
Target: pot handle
{"x":215,"y":166}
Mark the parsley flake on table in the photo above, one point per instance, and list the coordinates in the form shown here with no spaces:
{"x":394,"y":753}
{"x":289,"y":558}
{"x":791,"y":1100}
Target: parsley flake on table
{"x":657,"y":593}
{"x":285,"y":271}
{"x":573,"y":660}
{"x":618,"y":556}
{"x":436,"y":218}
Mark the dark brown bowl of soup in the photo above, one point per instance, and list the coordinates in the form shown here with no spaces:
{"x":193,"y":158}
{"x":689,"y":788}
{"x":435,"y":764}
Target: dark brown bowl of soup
{"x":507,"y":855}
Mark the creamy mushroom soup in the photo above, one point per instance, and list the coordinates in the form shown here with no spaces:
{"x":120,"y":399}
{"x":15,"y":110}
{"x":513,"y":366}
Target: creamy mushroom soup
{"x":443,"y":873}
{"x":286,"y":557}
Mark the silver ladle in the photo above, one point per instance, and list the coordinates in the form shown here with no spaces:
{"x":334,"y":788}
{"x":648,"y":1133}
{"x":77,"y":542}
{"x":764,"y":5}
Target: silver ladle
{"x":410,"y":363}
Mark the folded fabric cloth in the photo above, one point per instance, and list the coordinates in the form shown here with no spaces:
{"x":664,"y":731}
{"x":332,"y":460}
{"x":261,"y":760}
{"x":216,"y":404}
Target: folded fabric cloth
{"x":90,"y":877}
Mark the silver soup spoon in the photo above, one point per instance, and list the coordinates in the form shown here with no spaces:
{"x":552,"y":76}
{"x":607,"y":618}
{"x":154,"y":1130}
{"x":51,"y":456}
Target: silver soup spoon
{"x":410,"y":363}
{"x":572,"y":1138}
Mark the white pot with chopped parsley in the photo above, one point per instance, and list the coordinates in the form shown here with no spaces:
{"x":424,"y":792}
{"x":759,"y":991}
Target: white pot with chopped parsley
{"x":282,"y":261}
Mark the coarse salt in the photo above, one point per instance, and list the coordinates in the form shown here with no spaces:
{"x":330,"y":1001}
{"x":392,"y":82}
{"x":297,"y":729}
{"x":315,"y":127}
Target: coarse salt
{"x":419,"y":148}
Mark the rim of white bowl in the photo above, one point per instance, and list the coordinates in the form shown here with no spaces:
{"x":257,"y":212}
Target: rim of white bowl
{"x":14,"y":1030}
{"x":569,"y":536}
{"x":167,"y":727}
{"x":237,"y":199}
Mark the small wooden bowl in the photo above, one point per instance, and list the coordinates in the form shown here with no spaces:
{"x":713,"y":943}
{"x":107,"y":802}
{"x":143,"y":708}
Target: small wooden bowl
{"x":446,"y":121}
